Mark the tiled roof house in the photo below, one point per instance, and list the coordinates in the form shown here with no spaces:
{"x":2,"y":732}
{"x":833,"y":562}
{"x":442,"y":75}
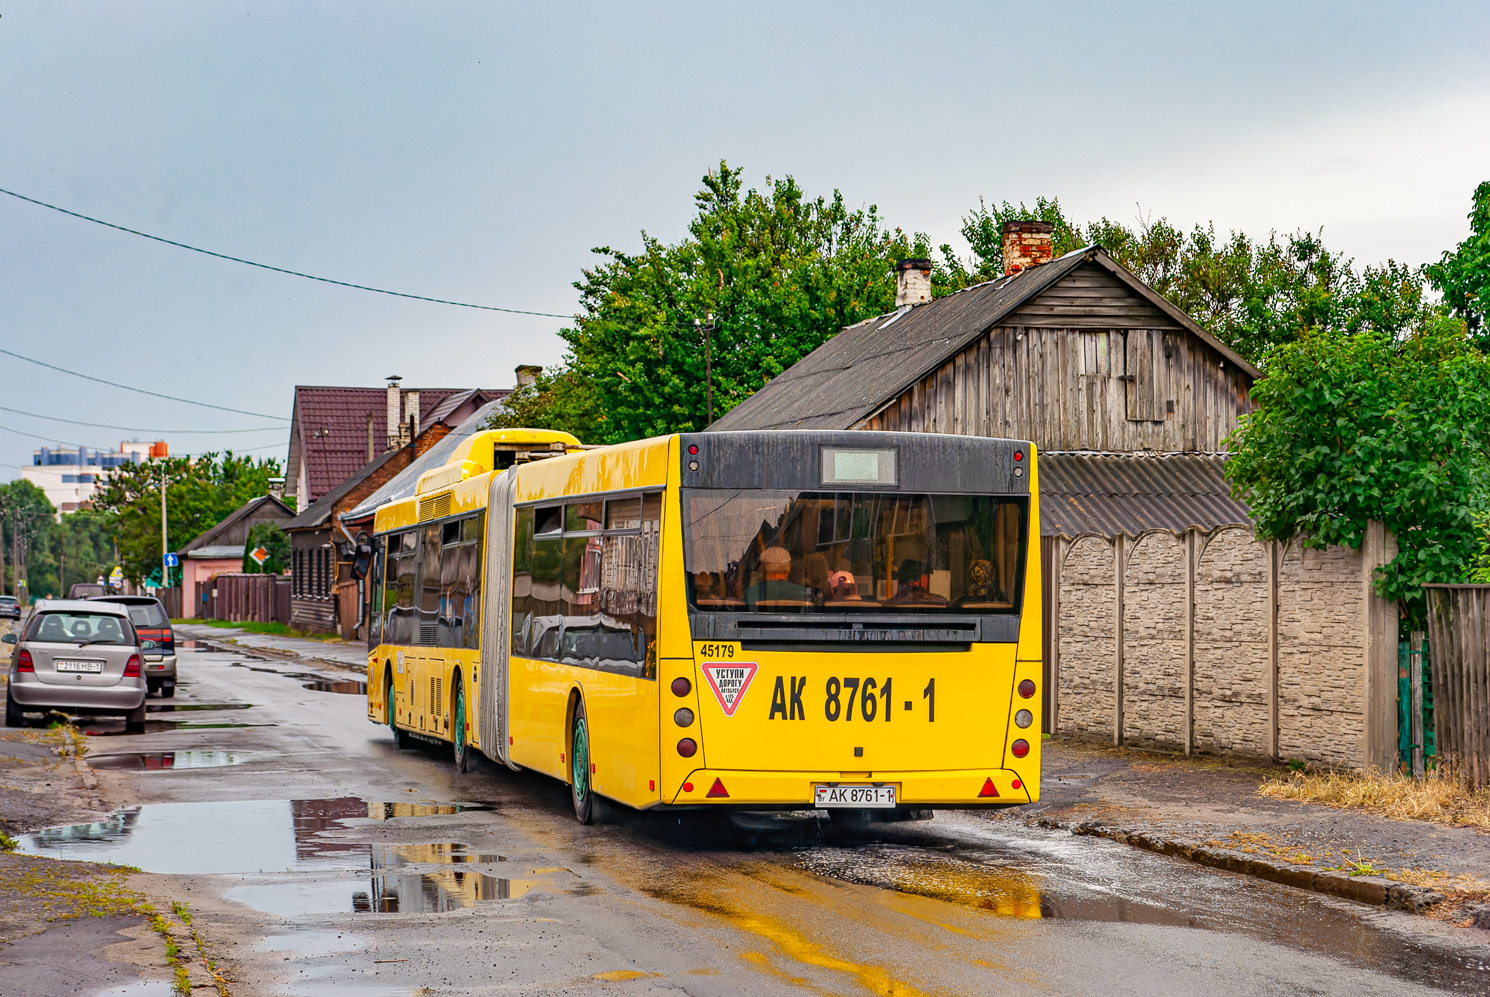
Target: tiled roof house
{"x":336,"y":430}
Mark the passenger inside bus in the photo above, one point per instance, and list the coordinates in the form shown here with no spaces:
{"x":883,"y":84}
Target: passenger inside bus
{"x":776,"y":587}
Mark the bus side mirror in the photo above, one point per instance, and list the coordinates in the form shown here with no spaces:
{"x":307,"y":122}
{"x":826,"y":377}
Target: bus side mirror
{"x":362,"y":561}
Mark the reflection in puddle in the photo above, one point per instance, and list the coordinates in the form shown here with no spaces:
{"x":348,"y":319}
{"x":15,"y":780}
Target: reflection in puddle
{"x":346,"y":686}
{"x":106,"y":728}
{"x":245,"y":836}
{"x":153,"y":761}
{"x":191,"y":707}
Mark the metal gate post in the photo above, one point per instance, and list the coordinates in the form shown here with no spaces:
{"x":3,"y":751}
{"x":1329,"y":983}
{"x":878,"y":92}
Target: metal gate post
{"x":1415,"y":683}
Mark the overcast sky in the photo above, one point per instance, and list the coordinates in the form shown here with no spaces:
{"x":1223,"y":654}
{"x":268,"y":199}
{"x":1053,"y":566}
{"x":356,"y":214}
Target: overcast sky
{"x":479,"y":151}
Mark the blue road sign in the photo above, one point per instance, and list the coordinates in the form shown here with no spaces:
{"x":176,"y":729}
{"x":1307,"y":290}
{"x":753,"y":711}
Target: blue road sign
{"x":172,"y":561}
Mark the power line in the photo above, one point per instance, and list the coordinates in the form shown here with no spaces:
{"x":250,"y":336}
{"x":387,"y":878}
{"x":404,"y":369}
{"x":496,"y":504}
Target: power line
{"x":136,"y":429}
{"x":265,"y":266}
{"x":141,"y":391}
{"x":53,"y":439}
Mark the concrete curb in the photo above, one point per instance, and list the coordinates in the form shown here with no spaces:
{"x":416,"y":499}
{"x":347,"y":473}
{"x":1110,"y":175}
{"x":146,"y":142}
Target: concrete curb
{"x":1375,"y":891}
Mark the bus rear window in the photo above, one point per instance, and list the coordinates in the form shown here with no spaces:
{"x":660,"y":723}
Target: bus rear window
{"x":775,"y":552}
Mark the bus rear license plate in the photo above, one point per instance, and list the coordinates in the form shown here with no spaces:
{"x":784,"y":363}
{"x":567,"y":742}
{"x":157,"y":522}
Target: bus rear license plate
{"x":854,"y":796}
{"x":64,"y":665}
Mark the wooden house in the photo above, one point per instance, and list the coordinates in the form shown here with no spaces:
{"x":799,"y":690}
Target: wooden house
{"x":1166,"y":621}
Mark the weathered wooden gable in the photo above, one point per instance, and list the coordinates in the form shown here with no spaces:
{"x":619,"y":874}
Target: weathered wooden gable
{"x":1089,"y":363}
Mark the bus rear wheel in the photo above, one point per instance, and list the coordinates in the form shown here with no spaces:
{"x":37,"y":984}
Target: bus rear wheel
{"x":462,"y":757}
{"x":580,"y":791}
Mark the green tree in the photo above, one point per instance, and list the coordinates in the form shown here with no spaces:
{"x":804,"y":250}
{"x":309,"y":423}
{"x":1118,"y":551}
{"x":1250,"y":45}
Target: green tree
{"x":778,"y":271}
{"x":274,"y":540}
{"x":1249,"y":294}
{"x":27,"y":515}
{"x":200,"y":492}
{"x":1463,"y":276}
{"x":1372,"y":426}
{"x":85,"y":547}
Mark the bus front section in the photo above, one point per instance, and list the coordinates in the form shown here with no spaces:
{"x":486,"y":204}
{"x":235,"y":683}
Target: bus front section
{"x":865,"y":623}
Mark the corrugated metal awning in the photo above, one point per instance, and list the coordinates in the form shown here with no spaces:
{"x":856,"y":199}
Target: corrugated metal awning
{"x":1111,"y":493}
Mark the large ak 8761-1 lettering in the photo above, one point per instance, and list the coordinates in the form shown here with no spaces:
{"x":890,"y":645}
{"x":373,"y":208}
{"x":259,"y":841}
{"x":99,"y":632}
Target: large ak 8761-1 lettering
{"x":844,"y":697}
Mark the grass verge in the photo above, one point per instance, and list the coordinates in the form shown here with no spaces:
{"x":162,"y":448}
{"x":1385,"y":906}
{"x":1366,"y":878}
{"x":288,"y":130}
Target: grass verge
{"x":273,"y":629}
{"x":1438,"y":798}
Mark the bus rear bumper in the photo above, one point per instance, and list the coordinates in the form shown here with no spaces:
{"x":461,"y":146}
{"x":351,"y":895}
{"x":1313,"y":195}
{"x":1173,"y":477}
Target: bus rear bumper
{"x":945,"y":789}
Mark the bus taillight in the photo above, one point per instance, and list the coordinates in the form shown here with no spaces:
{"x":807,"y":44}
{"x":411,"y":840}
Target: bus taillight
{"x":687,"y":747}
{"x":1020,"y":748}
{"x":1026,"y":689}
{"x":681,"y":686}
{"x":989,"y":789}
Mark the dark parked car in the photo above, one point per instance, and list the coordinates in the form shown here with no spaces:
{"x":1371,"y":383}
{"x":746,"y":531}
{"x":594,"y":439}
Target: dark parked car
{"x":10,"y":607}
{"x":151,"y":623}
{"x":78,"y":657}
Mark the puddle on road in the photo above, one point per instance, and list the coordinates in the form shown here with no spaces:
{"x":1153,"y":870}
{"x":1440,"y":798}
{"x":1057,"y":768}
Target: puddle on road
{"x":145,"y":988}
{"x":163,"y":761}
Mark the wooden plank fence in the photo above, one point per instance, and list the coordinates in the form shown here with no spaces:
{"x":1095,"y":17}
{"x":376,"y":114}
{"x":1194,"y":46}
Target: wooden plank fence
{"x":240,"y":598}
{"x":1459,"y":633}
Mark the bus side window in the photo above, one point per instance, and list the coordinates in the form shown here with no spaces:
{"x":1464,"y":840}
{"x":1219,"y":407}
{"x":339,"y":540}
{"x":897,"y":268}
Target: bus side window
{"x":399,"y":627}
{"x":522,"y":580}
{"x":427,"y":609}
{"x":474,"y":530}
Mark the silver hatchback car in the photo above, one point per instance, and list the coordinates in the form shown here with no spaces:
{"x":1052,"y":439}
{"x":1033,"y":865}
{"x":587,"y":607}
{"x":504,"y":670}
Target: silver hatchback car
{"x":78,"y":657}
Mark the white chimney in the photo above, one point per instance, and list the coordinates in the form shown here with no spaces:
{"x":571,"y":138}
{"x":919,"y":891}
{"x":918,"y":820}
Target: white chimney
{"x":912,"y":282}
{"x":527,"y":374}
{"x":411,"y":413}
{"x":395,"y":418}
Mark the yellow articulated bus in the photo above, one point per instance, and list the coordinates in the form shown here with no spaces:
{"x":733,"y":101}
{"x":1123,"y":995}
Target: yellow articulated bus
{"x":771,"y":620}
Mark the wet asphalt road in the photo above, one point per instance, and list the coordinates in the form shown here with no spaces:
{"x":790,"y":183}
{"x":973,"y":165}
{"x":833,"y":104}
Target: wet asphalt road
{"x":324,"y":861}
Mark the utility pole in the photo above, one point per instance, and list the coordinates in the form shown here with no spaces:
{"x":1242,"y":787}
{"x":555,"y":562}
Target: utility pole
{"x":707,"y":328}
{"x":163,"y":550}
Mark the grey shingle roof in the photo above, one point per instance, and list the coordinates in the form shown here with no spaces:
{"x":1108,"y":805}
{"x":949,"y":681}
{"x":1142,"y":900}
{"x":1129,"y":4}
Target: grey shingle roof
{"x":1111,"y":493}
{"x":846,"y":379}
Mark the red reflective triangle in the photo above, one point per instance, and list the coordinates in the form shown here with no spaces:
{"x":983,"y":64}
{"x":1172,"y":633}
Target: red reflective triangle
{"x":989,"y":789}
{"x":717,"y":789}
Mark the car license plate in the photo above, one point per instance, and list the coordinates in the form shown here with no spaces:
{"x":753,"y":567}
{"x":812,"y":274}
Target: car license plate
{"x":854,"y":796}
{"x":64,"y":665}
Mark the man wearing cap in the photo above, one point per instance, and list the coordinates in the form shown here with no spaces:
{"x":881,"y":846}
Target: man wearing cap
{"x":778,"y":589}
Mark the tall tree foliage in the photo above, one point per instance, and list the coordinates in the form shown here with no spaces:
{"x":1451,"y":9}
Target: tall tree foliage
{"x":1463,"y":275}
{"x":1369,"y":426}
{"x":778,"y":271}
{"x":199,"y":494}
{"x":1250,"y":294}
{"x":28,"y":516}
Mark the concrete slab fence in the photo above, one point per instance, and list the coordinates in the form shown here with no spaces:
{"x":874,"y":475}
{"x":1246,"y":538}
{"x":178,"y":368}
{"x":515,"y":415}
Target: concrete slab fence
{"x":1214,"y":641}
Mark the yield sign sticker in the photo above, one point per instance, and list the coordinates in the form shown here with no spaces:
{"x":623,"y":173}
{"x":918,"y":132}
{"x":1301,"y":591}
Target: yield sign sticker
{"x":729,"y":682}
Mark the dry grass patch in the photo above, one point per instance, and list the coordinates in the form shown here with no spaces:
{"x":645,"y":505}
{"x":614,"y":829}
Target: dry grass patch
{"x":1437,"y":798}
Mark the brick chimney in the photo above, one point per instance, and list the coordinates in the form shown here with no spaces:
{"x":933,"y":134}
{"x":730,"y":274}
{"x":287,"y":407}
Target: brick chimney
{"x":912,"y":282}
{"x":1027,"y":244}
{"x":527,"y":374}
{"x":395,"y":412}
